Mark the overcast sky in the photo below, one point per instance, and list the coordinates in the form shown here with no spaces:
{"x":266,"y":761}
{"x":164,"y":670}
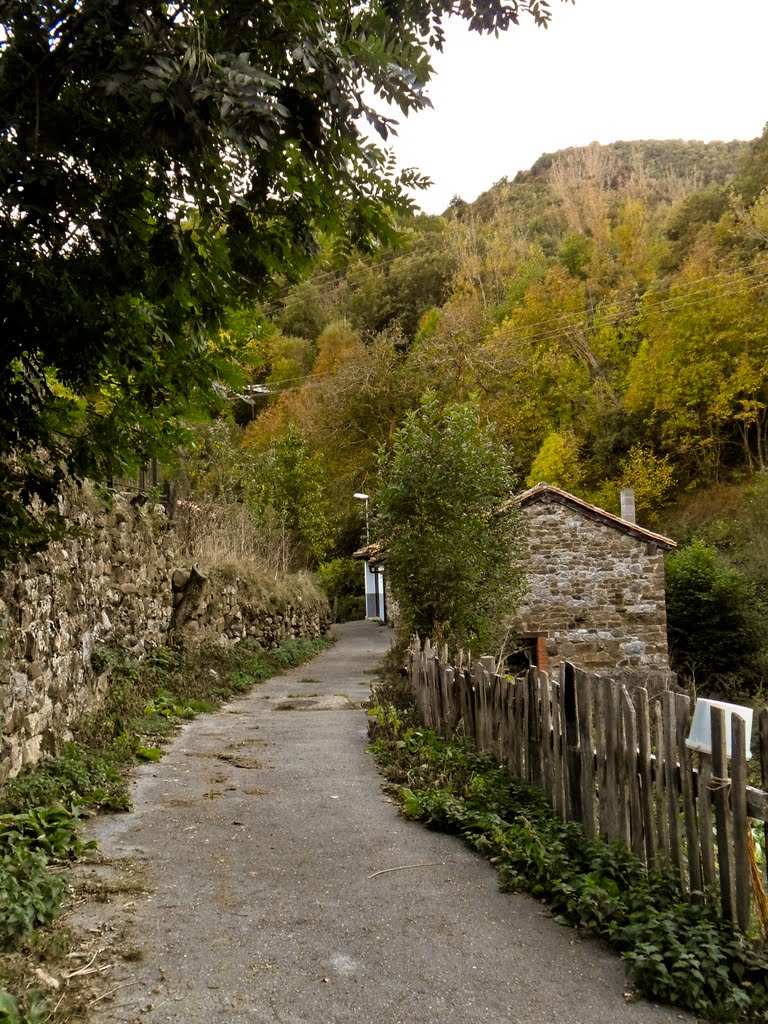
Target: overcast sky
{"x":604,"y":70}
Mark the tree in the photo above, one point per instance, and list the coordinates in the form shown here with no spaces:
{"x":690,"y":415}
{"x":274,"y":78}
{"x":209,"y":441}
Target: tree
{"x":700,"y":377}
{"x":451,"y":536}
{"x":715,"y":623}
{"x":156,"y":162}
{"x":557,"y":462}
{"x":288,"y":487}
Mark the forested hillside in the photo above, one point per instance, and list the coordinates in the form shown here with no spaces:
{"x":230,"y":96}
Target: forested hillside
{"x":607,"y":308}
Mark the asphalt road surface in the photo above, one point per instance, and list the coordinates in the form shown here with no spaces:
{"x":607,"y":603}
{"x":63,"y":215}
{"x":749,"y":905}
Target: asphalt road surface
{"x":264,"y":877}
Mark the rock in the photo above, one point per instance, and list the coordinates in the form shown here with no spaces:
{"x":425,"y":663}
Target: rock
{"x":180,"y":579}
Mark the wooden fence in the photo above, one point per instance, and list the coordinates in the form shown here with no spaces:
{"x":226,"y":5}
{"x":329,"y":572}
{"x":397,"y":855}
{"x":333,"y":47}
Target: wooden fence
{"x":617,"y":762}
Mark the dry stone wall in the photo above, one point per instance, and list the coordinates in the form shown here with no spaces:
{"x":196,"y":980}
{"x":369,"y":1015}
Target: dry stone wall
{"x":596,"y":596}
{"x":120,"y":579}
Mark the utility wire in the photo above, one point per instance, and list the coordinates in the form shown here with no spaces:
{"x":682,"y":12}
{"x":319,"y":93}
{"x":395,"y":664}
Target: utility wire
{"x":582,"y":319}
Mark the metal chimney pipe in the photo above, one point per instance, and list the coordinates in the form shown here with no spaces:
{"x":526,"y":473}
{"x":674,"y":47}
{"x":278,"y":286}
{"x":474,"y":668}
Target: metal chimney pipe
{"x":627,"y":504}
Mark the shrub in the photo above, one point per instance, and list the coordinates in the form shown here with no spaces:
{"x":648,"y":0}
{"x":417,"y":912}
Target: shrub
{"x":715,"y":622}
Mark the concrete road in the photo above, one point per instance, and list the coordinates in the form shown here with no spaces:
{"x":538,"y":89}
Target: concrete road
{"x":266,"y":850}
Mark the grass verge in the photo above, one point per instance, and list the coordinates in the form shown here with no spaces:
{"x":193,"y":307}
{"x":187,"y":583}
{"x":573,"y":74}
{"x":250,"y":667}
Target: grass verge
{"x":677,"y":950}
{"x":41,"y":809}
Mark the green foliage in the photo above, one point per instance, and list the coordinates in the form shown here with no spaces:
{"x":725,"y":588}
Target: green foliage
{"x":31,"y":895}
{"x":684,"y":955}
{"x":714,"y":621}
{"x":54,"y":831}
{"x":452,"y":551}
{"x":342,"y":580}
{"x":690,"y":216}
{"x":575,"y":254}
{"x":257,"y":509}
{"x":32,"y":1008}
{"x":211,"y":154}
{"x":289,"y":482}
{"x":650,"y":476}
{"x":76,"y":777}
{"x":557,"y":462}
{"x":677,"y":950}
{"x":395,"y":291}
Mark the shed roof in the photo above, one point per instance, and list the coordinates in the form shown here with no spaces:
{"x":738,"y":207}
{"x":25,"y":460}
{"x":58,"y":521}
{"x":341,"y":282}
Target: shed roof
{"x":548,"y":494}
{"x":372,"y":553}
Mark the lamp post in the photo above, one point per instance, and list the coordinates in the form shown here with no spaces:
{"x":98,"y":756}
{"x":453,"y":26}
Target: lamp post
{"x":364,"y":497}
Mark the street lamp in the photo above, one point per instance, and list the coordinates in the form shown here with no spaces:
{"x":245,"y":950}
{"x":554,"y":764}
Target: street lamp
{"x":364,"y":497}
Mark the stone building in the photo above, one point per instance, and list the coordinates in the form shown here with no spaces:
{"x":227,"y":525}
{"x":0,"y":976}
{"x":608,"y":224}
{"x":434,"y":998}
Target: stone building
{"x":596,"y":590}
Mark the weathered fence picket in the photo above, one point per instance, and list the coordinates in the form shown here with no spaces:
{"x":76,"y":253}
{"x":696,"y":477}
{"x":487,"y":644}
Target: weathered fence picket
{"x":615,"y":761}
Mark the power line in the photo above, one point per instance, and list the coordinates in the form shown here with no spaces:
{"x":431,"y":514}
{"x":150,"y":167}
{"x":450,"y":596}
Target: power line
{"x":565,"y":321}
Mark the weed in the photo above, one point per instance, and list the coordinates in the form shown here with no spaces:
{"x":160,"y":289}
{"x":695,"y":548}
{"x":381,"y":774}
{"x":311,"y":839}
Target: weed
{"x":52,"y":830}
{"x":30,"y":894}
{"x":76,"y":776}
{"x":31,"y":1008}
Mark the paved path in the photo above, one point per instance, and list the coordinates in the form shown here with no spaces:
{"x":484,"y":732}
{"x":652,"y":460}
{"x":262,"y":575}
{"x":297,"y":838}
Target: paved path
{"x":258,"y":836}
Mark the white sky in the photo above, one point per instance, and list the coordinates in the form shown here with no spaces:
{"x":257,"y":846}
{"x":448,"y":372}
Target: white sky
{"x":604,"y":70}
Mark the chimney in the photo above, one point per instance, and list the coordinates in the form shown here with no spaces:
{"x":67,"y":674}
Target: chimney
{"x":627,"y":504}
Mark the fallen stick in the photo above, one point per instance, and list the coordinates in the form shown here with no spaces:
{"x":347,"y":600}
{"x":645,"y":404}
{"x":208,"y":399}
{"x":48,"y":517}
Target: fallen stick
{"x":405,"y":867}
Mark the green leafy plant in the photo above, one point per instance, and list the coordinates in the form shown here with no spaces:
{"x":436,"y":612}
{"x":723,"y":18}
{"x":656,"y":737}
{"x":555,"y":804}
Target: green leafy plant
{"x":52,"y":830}
{"x":31,"y":894}
{"x":342,"y":580}
{"x":32,"y":1008}
{"x":714,"y":617}
{"x":77,"y":777}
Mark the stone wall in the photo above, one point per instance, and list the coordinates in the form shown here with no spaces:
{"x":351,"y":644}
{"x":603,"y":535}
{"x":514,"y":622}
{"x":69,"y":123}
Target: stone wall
{"x":596,"y":596}
{"x":120,"y":579}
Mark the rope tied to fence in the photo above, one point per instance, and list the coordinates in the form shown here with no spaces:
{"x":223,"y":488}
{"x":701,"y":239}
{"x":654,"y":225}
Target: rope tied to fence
{"x":716,"y":784}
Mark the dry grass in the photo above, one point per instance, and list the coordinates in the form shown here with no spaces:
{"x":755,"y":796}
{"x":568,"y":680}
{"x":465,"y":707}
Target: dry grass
{"x":217,"y":535}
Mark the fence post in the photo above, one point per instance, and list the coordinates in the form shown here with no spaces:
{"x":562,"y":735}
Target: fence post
{"x":587,"y":745}
{"x":683,"y":723}
{"x":633,"y":776}
{"x":742,"y":872}
{"x":672,"y":786}
{"x":534,"y":723}
{"x":646,"y":778}
{"x":545,"y":747}
{"x":573,"y":759}
{"x":487,"y":677}
{"x":709,"y":874}
{"x":720,"y":786}
{"x":557,"y":752}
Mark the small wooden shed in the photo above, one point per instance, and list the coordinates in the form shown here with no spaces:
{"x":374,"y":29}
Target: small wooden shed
{"x":596,"y":592}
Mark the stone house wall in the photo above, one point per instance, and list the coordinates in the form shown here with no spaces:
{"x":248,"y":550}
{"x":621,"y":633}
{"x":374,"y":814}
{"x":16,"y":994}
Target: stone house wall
{"x":120,"y":579}
{"x":596,"y":592}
